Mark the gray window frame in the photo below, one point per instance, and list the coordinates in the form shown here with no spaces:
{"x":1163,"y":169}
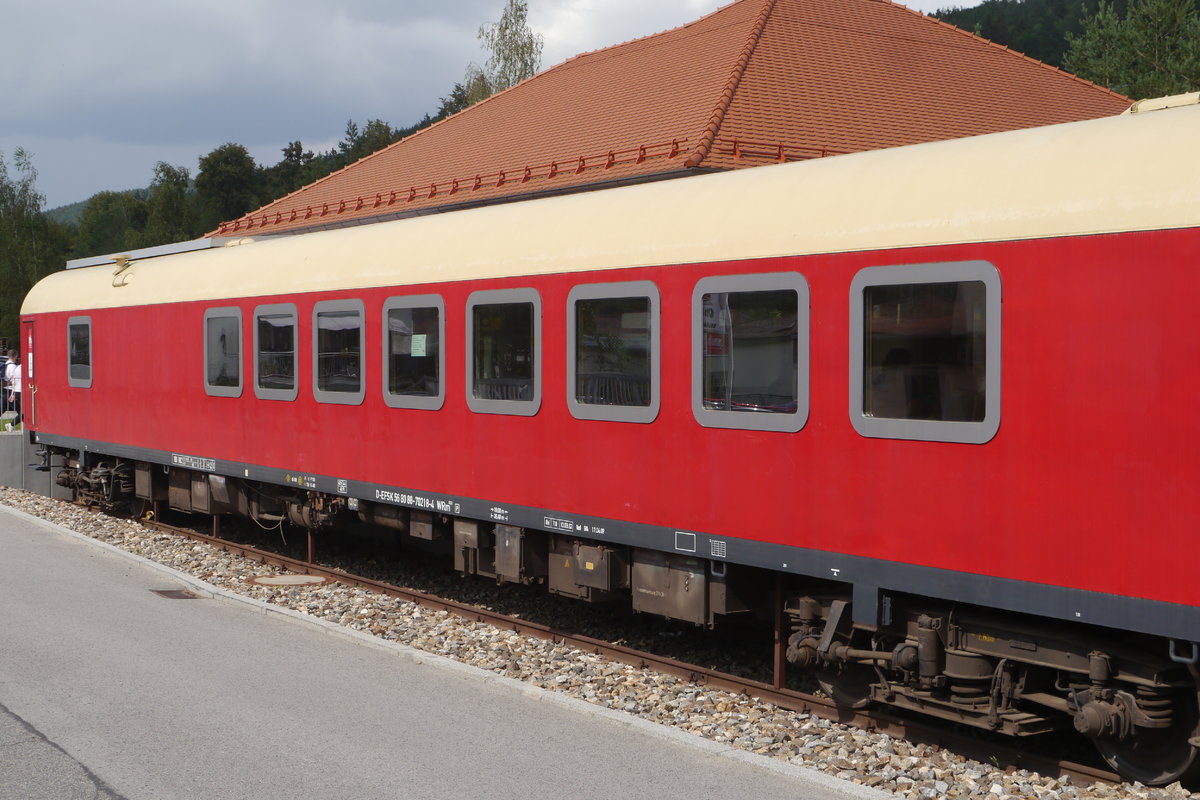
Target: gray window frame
{"x":354,"y":398}
{"x":616,"y":291}
{"x":225,"y":391}
{"x":429,"y":403}
{"x":924,"y":429}
{"x":757,"y":282}
{"x":275,"y":309}
{"x":80,"y":383}
{"x":520,"y":408}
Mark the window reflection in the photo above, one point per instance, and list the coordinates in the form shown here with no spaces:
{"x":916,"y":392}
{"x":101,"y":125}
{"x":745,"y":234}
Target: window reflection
{"x":749,"y":351}
{"x":925,"y":351}
{"x":503,"y":351}
{"x":413,"y":351}
{"x":612,"y":351}
{"x":339,"y":351}
{"x":80,"y":362}
{"x":224,"y":366}
{"x":277,"y":351}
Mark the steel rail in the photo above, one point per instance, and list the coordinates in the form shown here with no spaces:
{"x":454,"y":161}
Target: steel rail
{"x":1007,"y":756}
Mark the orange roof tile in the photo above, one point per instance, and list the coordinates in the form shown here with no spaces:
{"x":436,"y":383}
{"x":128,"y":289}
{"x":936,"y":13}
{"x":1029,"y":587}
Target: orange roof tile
{"x":754,"y":82}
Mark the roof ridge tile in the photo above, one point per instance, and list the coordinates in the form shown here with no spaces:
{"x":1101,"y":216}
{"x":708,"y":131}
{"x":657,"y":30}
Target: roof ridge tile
{"x":730,"y":89}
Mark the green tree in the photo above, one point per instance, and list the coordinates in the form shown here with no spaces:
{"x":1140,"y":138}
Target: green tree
{"x":1153,"y":50}
{"x":349,"y":141}
{"x":515,"y":53}
{"x":454,"y":102}
{"x":515,"y":50}
{"x":478,"y":85}
{"x":228,"y":185}
{"x":421,"y":124}
{"x":171,"y":211}
{"x":291,"y":172}
{"x":31,"y":245}
{"x":358,"y":144}
{"x":112,"y":222}
{"x":1037,"y":28}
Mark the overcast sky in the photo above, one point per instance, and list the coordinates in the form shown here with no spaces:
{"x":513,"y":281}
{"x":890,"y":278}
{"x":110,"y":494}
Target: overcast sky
{"x":97,"y":92}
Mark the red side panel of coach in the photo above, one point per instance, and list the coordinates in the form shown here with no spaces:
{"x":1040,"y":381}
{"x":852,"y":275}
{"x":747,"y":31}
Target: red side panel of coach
{"x":1087,"y":484}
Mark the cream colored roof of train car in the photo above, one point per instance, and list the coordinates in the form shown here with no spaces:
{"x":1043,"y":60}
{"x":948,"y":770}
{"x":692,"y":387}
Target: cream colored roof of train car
{"x":1129,"y":172}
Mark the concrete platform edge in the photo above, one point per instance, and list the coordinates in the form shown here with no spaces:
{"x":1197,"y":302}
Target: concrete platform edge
{"x":851,"y":791}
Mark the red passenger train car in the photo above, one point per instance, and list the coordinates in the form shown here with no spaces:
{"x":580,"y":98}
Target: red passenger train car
{"x":943,"y":394}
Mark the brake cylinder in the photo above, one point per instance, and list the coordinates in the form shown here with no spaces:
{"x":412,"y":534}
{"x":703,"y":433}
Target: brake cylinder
{"x":929,"y":649}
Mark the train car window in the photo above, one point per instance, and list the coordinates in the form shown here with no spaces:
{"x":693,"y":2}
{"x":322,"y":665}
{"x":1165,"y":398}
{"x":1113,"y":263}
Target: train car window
{"x":338,"y":334}
{"x":504,"y":364}
{"x":750,"y":342}
{"x":79,"y":352}
{"x":613,"y":351}
{"x":275,"y":344}
{"x":925,"y":352}
{"x":413,"y":359}
{"x":223,"y":352}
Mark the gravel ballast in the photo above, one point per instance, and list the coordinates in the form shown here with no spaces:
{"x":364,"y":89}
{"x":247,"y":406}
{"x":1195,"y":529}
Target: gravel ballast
{"x":865,"y":758}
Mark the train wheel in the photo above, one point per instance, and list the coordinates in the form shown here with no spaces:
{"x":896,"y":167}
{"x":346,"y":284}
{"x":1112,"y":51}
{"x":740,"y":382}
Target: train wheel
{"x":1158,"y":757}
{"x":849,"y":685}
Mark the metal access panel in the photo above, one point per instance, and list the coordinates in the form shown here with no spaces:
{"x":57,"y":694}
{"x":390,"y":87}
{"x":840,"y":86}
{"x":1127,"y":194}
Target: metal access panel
{"x":723,"y":596}
{"x":179,"y":492}
{"x":474,"y":548}
{"x":670,"y":585}
{"x":562,"y":569}
{"x":466,"y":546}
{"x":521,"y":555}
{"x":148,"y":482}
{"x":142,"y":481}
{"x":420,"y":525}
{"x":600,"y":567}
{"x":200,"y":494}
{"x":509,"y":544}
{"x":220,"y":499}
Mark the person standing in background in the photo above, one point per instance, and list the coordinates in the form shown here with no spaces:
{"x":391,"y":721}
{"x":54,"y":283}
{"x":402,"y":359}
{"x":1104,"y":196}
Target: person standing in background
{"x":3,"y":381}
{"x":12,"y":374}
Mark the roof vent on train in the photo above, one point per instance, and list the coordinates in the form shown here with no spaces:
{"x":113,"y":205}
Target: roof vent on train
{"x":154,"y":252}
{"x":1160,"y":103}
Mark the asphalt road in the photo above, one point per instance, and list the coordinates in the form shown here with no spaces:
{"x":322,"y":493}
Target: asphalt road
{"x":108,"y":690}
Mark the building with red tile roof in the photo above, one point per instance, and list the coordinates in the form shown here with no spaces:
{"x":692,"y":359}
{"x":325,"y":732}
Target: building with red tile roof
{"x":755,"y":82}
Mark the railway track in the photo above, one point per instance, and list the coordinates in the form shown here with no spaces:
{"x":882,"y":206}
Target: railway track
{"x":967,"y":744}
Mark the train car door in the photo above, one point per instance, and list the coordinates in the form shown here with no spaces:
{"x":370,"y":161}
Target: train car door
{"x":28,"y":381}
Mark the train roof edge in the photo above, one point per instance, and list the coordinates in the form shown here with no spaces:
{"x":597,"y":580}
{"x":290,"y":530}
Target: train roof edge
{"x":1122,"y":173}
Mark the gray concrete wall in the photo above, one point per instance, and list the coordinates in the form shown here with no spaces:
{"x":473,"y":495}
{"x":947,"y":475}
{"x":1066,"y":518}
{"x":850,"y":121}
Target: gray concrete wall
{"x":12,"y":459}
{"x":18,"y":462}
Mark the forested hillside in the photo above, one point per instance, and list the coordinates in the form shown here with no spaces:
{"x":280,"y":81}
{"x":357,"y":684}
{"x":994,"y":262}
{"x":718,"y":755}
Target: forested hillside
{"x":1037,"y":28}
